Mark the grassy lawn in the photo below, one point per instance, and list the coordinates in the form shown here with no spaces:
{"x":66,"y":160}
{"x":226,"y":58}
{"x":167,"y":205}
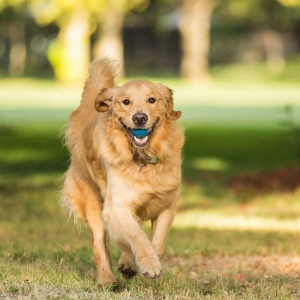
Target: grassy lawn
{"x":228,"y":241}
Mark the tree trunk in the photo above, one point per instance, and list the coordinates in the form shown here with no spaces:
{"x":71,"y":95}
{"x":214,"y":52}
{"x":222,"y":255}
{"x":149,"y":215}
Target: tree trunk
{"x":17,"y":54}
{"x":194,"y":27}
{"x":70,"y":53}
{"x":274,"y":48}
{"x":109,"y":40}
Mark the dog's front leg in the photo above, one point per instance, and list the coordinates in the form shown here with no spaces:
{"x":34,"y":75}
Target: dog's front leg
{"x":125,"y":230}
{"x":160,"y":228}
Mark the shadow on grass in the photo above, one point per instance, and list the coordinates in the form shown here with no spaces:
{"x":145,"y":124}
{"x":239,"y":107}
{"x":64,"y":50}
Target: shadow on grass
{"x":231,"y":150}
{"x":242,"y":159}
{"x":213,"y":155}
{"x":32,"y":149}
{"x":209,"y":150}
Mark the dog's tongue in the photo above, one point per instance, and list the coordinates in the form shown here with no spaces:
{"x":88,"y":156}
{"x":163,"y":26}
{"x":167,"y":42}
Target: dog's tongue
{"x":139,"y":133}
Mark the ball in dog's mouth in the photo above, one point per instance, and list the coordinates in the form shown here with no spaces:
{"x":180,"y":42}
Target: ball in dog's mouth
{"x":139,"y":136}
{"x":139,"y":132}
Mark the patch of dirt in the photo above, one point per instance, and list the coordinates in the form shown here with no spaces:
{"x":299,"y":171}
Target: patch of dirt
{"x":236,"y":267}
{"x":282,"y":180}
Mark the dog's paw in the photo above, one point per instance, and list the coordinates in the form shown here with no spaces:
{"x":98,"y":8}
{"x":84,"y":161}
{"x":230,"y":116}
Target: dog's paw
{"x":127,"y":272}
{"x":106,"y":279}
{"x":149,"y":266}
{"x":126,"y":265}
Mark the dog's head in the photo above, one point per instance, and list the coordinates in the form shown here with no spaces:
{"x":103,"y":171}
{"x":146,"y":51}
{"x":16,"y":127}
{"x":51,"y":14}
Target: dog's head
{"x":139,"y":107}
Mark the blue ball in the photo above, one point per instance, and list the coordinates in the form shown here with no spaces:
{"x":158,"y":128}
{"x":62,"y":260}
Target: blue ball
{"x":139,"y":133}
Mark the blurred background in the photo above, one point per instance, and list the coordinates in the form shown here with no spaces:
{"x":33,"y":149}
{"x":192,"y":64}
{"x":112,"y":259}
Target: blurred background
{"x":189,"y":39}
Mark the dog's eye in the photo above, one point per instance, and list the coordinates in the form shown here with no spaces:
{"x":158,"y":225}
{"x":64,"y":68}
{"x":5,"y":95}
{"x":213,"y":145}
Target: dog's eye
{"x":126,"y":102}
{"x":151,"y":100}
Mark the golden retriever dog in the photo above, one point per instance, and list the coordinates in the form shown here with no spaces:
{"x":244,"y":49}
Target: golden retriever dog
{"x":125,"y":169}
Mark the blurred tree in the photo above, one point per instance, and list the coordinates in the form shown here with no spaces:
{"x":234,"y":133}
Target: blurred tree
{"x":69,"y":54}
{"x":192,"y":18}
{"x":256,"y":14}
{"x":109,"y":34}
{"x":77,"y":19}
{"x":109,"y":39}
{"x":194,"y":26}
{"x":290,"y":2}
{"x":13,"y":21}
{"x":267,"y":18}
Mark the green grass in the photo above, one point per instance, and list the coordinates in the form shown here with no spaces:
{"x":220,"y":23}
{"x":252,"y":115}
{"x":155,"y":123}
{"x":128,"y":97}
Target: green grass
{"x":223,"y":244}
{"x":258,"y":72}
{"x":238,"y":149}
{"x":43,"y":254}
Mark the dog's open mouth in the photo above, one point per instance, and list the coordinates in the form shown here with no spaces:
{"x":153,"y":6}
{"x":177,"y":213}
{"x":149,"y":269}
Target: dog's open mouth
{"x":139,"y":136}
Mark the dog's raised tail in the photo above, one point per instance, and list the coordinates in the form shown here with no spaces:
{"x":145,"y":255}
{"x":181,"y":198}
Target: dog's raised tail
{"x":102,"y":73}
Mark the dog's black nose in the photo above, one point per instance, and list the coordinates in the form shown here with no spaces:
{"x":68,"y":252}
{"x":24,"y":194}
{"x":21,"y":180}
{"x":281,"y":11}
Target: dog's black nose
{"x":140,"y":119}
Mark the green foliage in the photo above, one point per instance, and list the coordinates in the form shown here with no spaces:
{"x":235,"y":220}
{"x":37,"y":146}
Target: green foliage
{"x":290,"y":2}
{"x":69,"y":54}
{"x":59,"y":11}
{"x":257,"y":14}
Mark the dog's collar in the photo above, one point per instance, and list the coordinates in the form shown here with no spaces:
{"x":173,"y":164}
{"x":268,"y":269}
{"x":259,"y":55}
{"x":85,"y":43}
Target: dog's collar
{"x":142,"y":162}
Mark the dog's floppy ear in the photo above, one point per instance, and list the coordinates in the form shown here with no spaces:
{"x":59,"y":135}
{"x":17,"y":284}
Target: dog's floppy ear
{"x":168,"y":95}
{"x":104,"y":99}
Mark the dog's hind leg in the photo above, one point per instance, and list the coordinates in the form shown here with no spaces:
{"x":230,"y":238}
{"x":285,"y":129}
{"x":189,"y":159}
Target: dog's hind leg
{"x":102,"y":259}
{"x":126,"y":264}
{"x":84,"y":199}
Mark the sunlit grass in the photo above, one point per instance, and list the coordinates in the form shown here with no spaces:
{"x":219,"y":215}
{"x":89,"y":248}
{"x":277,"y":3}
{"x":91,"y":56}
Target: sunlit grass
{"x":239,"y":85}
{"x":237,"y":221}
{"x":210,"y":164}
{"x":258,"y":72}
{"x":34,"y":94}
{"x":222,"y":244}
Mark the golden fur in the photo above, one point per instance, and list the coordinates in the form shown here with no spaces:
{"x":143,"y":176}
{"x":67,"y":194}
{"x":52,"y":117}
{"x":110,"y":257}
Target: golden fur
{"x":114,"y":184}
